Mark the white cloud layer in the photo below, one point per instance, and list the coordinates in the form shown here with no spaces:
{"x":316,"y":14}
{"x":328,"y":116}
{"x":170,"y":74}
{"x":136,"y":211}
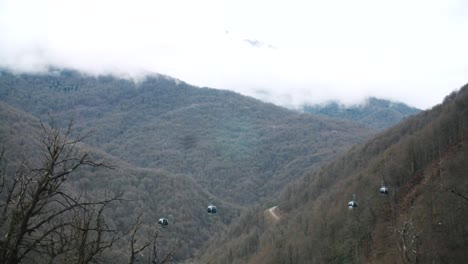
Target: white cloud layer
{"x":286,"y":52}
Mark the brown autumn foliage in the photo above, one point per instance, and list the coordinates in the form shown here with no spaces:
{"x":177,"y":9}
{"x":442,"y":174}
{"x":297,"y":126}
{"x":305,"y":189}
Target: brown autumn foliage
{"x":175,"y":147}
{"x":45,"y":220}
{"x":422,"y":160}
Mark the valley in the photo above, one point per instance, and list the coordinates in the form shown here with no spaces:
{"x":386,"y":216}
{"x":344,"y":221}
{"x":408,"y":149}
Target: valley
{"x":280,"y":179}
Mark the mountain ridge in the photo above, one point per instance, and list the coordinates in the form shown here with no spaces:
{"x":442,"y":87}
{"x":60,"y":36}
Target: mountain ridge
{"x":373,"y":112}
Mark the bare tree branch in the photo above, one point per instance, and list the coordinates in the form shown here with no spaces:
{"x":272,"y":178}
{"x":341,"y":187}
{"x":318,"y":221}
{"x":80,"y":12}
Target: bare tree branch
{"x":41,"y":219}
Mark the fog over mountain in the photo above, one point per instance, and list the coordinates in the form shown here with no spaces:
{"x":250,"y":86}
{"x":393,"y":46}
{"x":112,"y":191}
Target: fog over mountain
{"x":285,"y":52}
{"x":277,"y":112}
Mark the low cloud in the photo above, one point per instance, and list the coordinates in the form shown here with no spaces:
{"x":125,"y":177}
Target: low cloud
{"x":298,"y":52}
{"x":258,"y":44}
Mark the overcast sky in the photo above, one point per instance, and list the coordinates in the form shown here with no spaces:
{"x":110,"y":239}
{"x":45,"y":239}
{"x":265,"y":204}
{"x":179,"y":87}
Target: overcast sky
{"x":287,"y":52}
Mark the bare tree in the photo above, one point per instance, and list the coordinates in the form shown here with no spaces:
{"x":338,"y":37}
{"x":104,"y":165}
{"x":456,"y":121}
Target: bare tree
{"x":408,"y":241}
{"x":39,"y":219}
{"x":85,"y":235}
{"x":147,"y":244}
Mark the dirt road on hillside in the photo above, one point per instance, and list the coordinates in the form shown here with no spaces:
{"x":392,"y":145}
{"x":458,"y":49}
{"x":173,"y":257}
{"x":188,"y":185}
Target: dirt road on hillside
{"x":273,"y":214}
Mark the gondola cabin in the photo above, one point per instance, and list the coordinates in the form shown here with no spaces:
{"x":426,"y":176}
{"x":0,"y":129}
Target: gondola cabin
{"x":163,"y":222}
{"x":383,"y":190}
{"x":212,"y":209}
{"x":352,"y":204}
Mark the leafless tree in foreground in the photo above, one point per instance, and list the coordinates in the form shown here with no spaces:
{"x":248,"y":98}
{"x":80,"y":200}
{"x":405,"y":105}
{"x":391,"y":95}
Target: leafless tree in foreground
{"x":40,"y":220}
{"x":147,"y":244}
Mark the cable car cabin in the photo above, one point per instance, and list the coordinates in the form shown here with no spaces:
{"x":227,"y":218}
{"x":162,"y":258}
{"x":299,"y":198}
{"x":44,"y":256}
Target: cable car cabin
{"x":163,"y":222}
{"x":352,"y":204}
{"x":212,"y":209}
{"x":383,"y":190}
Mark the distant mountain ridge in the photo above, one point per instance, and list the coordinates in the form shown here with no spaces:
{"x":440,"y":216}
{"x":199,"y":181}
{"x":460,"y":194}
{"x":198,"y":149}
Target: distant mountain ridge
{"x":374,"y":112}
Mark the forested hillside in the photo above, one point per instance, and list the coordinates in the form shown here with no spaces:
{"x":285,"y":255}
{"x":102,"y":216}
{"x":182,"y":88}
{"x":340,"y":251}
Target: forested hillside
{"x":423,"y":161}
{"x":374,"y":112}
{"x":173,"y":147}
{"x":234,"y":146}
{"x":152,"y":192}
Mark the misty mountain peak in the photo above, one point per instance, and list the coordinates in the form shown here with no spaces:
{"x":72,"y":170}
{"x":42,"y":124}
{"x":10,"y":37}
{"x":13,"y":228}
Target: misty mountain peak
{"x":374,"y":112}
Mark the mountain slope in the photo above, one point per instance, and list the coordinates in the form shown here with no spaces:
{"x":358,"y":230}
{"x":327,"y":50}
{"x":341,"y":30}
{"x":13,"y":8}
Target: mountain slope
{"x":176,"y":147}
{"x":236,"y":147}
{"x":376,"y":113}
{"x":147,"y":190}
{"x":422,"y":160}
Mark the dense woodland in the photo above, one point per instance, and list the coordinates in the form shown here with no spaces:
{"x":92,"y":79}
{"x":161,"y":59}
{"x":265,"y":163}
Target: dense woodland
{"x":140,"y":191}
{"x":230,"y":144}
{"x":422,"y":160}
{"x":171,"y":149}
{"x":159,"y":147}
